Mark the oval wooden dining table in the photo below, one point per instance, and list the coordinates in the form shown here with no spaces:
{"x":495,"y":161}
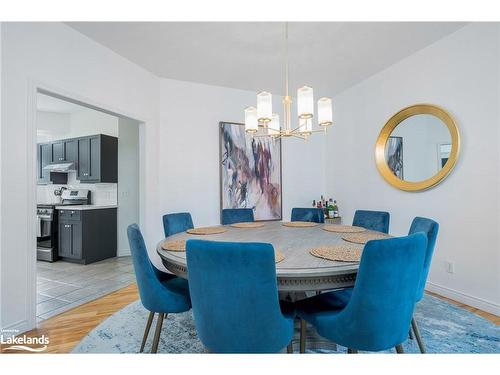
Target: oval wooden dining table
{"x":298,"y":272}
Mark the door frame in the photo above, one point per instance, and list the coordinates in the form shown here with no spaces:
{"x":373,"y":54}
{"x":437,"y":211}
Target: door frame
{"x":35,"y":87}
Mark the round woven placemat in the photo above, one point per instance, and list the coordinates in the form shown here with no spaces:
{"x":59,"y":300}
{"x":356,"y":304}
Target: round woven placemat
{"x":337,"y":228}
{"x":177,"y":245}
{"x":341,"y":253}
{"x":251,"y":224}
{"x":207,"y":230}
{"x":299,"y":224}
{"x":364,"y":237}
{"x":278,"y":256}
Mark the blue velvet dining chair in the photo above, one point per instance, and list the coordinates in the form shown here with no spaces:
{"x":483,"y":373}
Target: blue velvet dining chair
{"x":178,"y":222}
{"x":430,"y":228}
{"x":236,"y":215}
{"x":235,"y":300}
{"x":372,"y":220}
{"x":163,"y":297}
{"x":378,"y":314}
{"x":311,"y":214}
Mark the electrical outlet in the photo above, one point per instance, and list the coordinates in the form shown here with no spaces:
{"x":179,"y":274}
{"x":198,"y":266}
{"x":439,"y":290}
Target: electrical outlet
{"x":450,"y":267}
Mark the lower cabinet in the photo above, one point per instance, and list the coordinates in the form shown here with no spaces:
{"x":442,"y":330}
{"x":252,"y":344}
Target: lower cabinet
{"x":70,"y":240}
{"x":87,"y":236}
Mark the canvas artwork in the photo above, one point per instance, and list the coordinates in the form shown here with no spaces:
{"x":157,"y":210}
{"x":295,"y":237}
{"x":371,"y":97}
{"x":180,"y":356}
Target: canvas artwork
{"x":250,"y":169}
{"x":394,"y":156}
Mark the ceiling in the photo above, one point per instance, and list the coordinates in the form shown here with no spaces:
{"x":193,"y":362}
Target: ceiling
{"x":329,"y":56}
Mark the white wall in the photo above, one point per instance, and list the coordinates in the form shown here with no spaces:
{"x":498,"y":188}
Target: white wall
{"x":128,"y":180}
{"x":62,"y":60}
{"x":189,"y":151}
{"x":51,"y":126}
{"x":461,"y":74}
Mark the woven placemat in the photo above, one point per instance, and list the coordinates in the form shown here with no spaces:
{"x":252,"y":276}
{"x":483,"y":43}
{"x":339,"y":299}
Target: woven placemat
{"x":341,"y":253}
{"x":364,"y":237}
{"x":343,"y":228}
{"x":176,"y":245}
{"x":251,"y":224}
{"x":278,"y":256}
{"x":299,"y":224}
{"x":207,"y":230}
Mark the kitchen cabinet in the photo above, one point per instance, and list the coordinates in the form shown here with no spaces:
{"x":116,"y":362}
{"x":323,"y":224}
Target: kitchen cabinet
{"x":87,"y":236}
{"x":95,"y":159}
{"x":44,"y":157}
{"x":98,"y":159}
{"x":70,"y":243}
{"x":65,"y":151}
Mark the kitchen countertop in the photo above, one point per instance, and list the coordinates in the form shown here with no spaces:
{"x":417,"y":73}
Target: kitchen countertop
{"x":82,"y":207}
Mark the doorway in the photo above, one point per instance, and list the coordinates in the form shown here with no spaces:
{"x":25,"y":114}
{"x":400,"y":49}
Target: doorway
{"x":87,"y":193}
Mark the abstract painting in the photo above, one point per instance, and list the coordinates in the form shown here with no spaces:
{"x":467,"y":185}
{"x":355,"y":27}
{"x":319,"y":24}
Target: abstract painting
{"x":394,"y":156}
{"x":250,"y":171}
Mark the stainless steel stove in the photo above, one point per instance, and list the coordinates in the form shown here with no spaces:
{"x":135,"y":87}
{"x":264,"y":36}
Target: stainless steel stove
{"x":47,"y":229}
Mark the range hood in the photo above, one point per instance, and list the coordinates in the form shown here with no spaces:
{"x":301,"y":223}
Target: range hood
{"x":60,"y":167}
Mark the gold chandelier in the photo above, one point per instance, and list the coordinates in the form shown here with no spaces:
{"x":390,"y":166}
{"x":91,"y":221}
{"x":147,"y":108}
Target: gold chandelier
{"x":262,"y":122}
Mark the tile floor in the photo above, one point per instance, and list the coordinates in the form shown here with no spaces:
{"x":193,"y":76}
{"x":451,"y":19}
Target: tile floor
{"x":63,"y":285}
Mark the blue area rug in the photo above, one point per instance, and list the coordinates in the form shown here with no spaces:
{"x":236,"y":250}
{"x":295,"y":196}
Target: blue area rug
{"x":444,"y":327}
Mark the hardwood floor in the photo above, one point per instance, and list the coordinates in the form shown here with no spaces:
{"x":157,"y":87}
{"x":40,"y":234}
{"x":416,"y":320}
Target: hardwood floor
{"x":67,"y":329}
{"x":495,"y":319}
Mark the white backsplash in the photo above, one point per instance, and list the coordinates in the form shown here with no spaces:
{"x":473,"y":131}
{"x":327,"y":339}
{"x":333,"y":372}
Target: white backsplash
{"x":101,"y":194}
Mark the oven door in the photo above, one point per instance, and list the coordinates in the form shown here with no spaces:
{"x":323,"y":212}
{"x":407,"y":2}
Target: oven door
{"x":44,"y":227}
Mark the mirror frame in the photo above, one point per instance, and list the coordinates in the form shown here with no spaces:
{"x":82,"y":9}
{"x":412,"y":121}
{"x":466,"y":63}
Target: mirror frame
{"x":392,"y":123}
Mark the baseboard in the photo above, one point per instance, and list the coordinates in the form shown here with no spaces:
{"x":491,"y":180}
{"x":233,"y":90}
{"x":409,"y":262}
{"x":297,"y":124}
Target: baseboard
{"x":479,"y":303}
{"x":123,"y":253}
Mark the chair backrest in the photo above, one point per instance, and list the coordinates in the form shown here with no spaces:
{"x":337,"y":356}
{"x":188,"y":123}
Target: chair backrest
{"x":147,"y":281}
{"x":236,"y":215}
{"x":315,"y":215}
{"x":178,"y":222}
{"x":379,"y":312}
{"x":372,"y":220}
{"x":234,"y":296}
{"x":430,"y":228}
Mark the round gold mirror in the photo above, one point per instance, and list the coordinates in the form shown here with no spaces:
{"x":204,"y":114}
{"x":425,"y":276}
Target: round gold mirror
{"x":418,"y":147}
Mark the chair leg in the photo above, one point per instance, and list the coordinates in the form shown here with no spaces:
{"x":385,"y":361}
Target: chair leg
{"x":303,"y":333}
{"x":289,"y":348}
{"x":420,"y":342}
{"x":146,"y":331}
{"x":351,"y":351}
{"x":399,"y":349}
{"x":156,"y":339}
{"x":410,"y":334}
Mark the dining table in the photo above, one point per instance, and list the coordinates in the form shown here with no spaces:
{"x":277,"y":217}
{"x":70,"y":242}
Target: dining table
{"x":298,"y":272}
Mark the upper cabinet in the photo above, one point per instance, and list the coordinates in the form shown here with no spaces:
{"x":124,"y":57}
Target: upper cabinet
{"x":44,"y":157}
{"x":95,"y":158}
{"x":98,"y":159}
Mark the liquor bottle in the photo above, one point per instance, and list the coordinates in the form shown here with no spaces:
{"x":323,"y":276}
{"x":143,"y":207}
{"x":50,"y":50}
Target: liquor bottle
{"x":314,"y":202}
{"x":335,"y":209}
{"x":331,"y":212}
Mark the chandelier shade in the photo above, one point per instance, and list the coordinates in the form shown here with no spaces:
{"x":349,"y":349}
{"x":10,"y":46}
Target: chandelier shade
{"x":251,"y":123}
{"x":305,"y":102}
{"x":324,"y":111}
{"x":274,"y":125}
{"x":264,"y":106}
